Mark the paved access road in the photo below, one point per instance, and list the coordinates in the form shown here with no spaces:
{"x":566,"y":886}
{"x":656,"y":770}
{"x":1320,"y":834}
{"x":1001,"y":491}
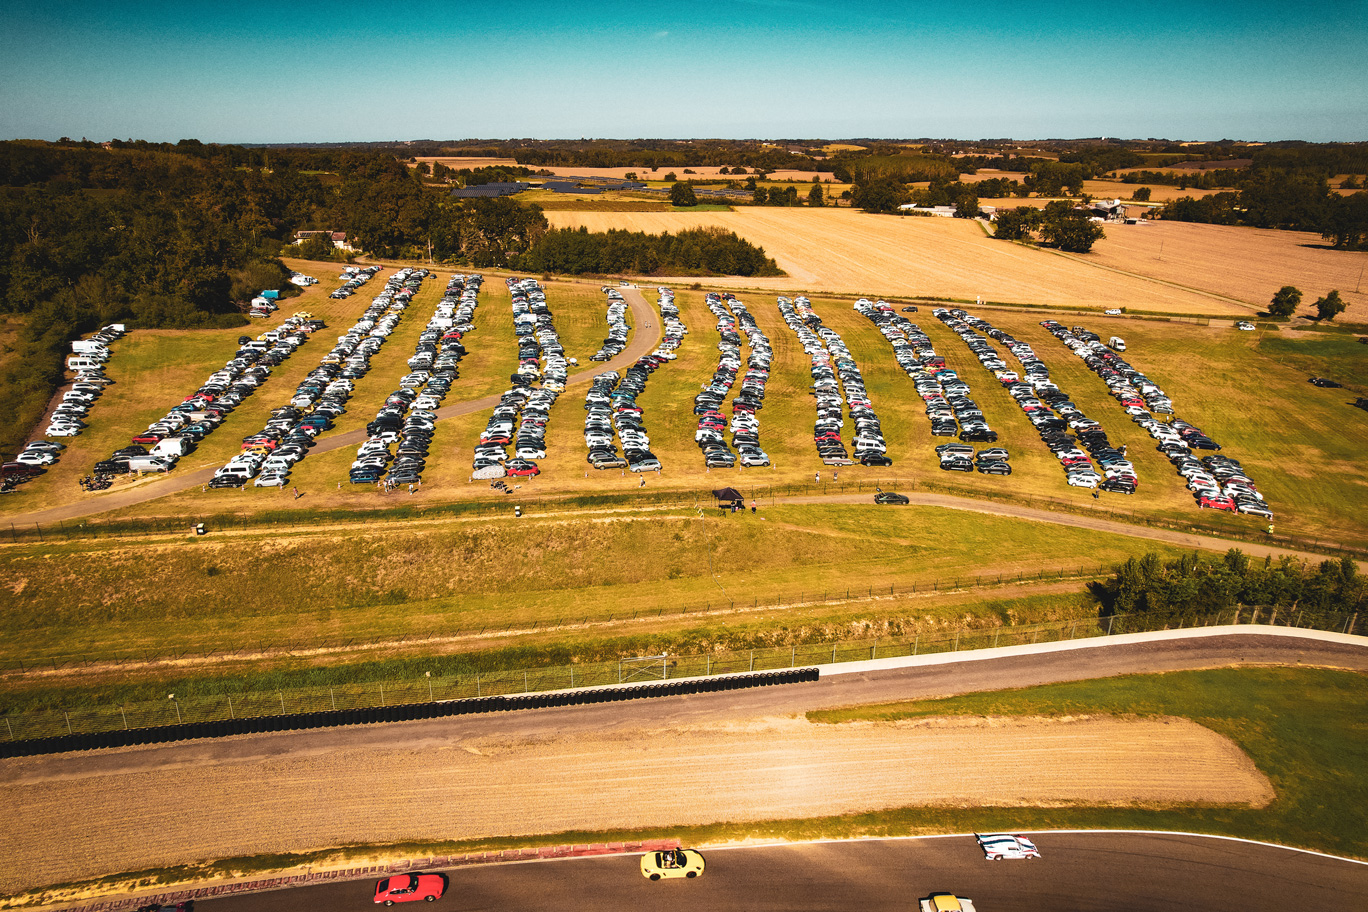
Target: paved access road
{"x":1080,"y":872}
{"x":645,"y":337}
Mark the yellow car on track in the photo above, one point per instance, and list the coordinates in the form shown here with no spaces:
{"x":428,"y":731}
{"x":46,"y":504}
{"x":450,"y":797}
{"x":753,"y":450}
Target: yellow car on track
{"x":671,"y":863}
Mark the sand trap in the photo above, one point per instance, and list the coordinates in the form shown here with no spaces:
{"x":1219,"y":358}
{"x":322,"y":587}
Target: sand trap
{"x":86,"y":824}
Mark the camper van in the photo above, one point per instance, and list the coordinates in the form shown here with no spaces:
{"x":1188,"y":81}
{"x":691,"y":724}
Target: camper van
{"x":83,"y":362}
{"x":1117,"y":343}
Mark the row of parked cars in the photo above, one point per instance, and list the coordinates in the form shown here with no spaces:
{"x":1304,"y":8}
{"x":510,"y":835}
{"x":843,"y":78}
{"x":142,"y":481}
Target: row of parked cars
{"x":618,"y":328}
{"x":408,"y":417}
{"x":353,"y":277}
{"x":186,"y":424}
{"x":1079,"y":443}
{"x":519,"y":420}
{"x":269,"y":455}
{"x":87,"y":360}
{"x":733,"y":319}
{"x":835,"y":372}
{"x":1216,"y":482}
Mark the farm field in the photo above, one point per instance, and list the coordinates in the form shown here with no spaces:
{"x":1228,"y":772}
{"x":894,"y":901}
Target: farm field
{"x":1245,"y":263}
{"x":850,"y":252}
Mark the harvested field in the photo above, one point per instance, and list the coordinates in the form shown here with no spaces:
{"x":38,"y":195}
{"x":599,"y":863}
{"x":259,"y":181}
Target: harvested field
{"x":851,"y":252}
{"x":142,"y":808}
{"x":1246,"y":263}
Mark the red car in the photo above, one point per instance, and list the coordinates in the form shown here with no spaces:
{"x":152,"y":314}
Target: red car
{"x":521,"y":468}
{"x":410,"y":888}
{"x":1216,"y":501}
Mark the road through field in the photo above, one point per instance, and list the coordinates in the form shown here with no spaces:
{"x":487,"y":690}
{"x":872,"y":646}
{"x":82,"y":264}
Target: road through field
{"x":645,"y":337}
{"x":735,"y":755}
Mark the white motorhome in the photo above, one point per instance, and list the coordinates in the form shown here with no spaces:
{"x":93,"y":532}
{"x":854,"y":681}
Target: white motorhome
{"x":83,"y":363}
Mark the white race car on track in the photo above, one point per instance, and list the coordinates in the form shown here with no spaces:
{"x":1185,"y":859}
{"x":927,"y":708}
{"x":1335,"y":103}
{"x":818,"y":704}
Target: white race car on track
{"x":997,"y":846}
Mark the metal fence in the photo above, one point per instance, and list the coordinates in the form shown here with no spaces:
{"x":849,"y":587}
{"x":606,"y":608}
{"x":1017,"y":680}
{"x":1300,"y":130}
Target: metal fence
{"x":627,"y":670}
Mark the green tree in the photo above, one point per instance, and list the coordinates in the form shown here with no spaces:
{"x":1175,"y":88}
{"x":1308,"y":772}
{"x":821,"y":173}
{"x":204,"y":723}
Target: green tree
{"x":881,"y":194}
{"x":1016,"y":224}
{"x":1069,"y":229}
{"x":682,"y":194}
{"x":317,"y":247}
{"x":1329,"y":306}
{"x":670,"y":176}
{"x":815,"y":197}
{"x":759,"y":196}
{"x":967,"y":206}
{"x":1141,"y":194}
{"x":1285,"y":302}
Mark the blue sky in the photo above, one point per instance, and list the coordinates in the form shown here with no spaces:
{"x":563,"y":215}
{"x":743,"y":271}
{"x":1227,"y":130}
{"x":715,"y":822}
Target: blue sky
{"x":313,"y":71}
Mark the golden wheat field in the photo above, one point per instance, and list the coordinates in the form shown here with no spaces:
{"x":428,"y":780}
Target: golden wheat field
{"x":849,"y":252}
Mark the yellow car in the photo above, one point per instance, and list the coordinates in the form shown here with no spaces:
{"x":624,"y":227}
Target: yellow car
{"x":671,"y":863}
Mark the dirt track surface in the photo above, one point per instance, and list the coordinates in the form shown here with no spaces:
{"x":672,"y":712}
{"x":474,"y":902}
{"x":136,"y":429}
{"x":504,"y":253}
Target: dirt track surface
{"x":737,"y":770}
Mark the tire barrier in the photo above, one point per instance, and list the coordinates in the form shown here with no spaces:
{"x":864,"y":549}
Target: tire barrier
{"x":401,"y":713}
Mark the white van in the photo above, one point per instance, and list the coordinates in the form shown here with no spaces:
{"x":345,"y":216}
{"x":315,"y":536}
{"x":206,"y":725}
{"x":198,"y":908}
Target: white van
{"x":1117,"y":343}
{"x":83,"y":363}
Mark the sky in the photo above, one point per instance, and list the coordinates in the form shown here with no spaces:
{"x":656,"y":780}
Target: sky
{"x":354,"y":70}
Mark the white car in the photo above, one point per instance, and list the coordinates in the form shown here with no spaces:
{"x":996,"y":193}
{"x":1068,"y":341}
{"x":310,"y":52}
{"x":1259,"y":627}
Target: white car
{"x":1113,"y":312}
{"x":1247,"y":327}
{"x":671,"y":863}
{"x":997,"y":846}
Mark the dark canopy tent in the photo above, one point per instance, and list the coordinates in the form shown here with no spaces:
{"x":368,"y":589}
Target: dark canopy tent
{"x":727,"y":497}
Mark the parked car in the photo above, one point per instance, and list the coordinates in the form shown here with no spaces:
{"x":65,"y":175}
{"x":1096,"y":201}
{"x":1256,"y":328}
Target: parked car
{"x":889,"y":497}
{"x":410,"y":888}
{"x":671,"y":863}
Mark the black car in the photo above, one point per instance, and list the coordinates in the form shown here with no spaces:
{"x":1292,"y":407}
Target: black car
{"x":888,"y":497}
{"x":957,"y":465}
{"x":1325,"y":383}
{"x":874,"y":459}
{"x":1118,"y":485}
{"x":994,"y":467}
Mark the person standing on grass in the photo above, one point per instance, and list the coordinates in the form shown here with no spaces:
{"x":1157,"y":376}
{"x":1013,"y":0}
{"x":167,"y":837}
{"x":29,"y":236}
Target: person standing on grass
{"x":752,"y":506}
{"x":643,"y":482}
{"x":817,"y":477}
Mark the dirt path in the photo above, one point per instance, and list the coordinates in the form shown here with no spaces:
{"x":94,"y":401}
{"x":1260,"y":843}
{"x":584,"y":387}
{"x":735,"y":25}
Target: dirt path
{"x":733,"y":769}
{"x":643,"y":342}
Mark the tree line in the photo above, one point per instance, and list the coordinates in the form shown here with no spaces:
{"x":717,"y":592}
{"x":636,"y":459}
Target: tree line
{"x":1156,"y":593}
{"x":695,"y":251}
{"x":1292,"y":200}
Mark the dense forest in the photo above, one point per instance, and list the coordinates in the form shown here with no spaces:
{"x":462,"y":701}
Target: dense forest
{"x":1153,"y":593}
{"x":183,"y":236}
{"x":695,"y":251}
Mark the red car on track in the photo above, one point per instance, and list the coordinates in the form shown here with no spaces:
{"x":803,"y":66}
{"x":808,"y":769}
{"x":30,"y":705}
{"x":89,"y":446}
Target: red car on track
{"x":410,"y":888}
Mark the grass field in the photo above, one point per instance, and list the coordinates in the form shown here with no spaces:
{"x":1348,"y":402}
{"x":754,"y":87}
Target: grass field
{"x":1304,"y":458}
{"x":434,"y":579}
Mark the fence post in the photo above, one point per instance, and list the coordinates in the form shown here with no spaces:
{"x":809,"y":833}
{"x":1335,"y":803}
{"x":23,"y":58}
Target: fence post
{"x":752,"y":660}
{"x":916,"y":642}
{"x":122,"y":712}
{"x":382,"y":693}
{"x":230,"y":706}
{"x":332,"y":700}
{"x":955,"y":648}
{"x":66,"y":715}
{"x":10,"y":728}
{"x":1109,"y":624}
{"x":793,"y":655}
{"x":282,"y":702}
